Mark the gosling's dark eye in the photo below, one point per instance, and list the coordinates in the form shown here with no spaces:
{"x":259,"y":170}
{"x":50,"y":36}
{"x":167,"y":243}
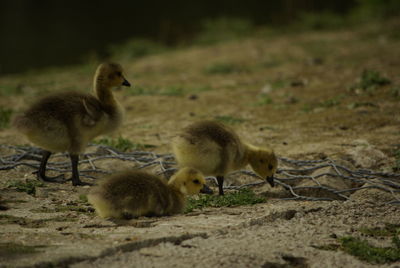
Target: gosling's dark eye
{"x":196,"y":181}
{"x":270,"y":167}
{"x":262,"y":161}
{"x":119,"y":74}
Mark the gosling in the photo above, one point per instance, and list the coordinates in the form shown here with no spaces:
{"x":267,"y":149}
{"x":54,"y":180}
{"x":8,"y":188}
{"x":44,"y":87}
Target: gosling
{"x":135,"y":193}
{"x":67,"y":121}
{"x":216,"y":150}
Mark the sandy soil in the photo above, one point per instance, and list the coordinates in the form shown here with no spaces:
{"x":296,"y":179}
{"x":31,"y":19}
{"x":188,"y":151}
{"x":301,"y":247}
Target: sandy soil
{"x":289,"y":92}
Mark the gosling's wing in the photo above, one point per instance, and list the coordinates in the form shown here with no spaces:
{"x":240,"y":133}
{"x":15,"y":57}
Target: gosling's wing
{"x":213,"y":131}
{"x":92,"y":111}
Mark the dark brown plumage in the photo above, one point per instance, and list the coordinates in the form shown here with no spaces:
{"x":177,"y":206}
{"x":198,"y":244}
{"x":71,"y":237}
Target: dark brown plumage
{"x":67,"y":121}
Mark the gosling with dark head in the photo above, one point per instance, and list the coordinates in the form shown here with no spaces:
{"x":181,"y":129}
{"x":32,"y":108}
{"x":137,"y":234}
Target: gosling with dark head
{"x":67,"y":121}
{"x":216,"y":150}
{"x":137,"y":193}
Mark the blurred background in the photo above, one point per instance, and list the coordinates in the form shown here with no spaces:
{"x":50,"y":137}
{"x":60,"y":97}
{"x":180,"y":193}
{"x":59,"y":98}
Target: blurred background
{"x":47,"y":33}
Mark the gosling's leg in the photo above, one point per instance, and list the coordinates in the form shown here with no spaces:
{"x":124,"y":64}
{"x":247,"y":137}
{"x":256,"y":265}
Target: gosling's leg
{"x":75,"y":173}
{"x":41,"y":173}
{"x":220,"y":180}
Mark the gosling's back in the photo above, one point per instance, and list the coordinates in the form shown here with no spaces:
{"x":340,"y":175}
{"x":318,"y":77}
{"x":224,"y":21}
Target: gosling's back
{"x":63,"y":121}
{"x":136,"y":193}
{"x":208,"y":146}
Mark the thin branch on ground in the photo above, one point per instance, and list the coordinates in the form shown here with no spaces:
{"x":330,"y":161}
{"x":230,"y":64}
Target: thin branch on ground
{"x":291,"y":174}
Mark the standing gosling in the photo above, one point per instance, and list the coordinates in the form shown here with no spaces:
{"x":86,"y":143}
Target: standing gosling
{"x":136,"y":193}
{"x":67,"y":121}
{"x":216,"y":150}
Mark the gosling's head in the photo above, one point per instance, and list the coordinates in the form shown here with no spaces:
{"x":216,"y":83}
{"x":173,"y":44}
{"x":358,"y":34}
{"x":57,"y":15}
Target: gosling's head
{"x":264,"y":162}
{"x":188,"y":181}
{"x":111,"y":75}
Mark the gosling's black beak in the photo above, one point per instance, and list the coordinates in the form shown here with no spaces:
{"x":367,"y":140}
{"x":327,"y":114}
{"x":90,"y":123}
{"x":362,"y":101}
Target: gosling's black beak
{"x":206,"y":190}
{"x":270,"y":180}
{"x":126,"y":83}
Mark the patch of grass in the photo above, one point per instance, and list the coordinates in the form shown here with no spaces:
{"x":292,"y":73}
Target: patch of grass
{"x":355,"y":105}
{"x":136,"y":48}
{"x":7,"y":90}
{"x":230,"y":120}
{"x":395,"y":92}
{"x":396,"y":241}
{"x":199,"y":89}
{"x":279,"y":83}
{"x":120,"y":143}
{"x":239,"y":198}
{"x":364,"y":251}
{"x":307,"y":107}
{"x":263,"y":99}
{"x":83,"y":199}
{"x":388,"y":230}
{"x":29,"y":186}
{"x":330,"y":102}
{"x":223,"y":68}
{"x":370,"y":80}
{"x":5,"y":117}
{"x":172,"y":91}
{"x":123,"y":144}
{"x":11,"y":249}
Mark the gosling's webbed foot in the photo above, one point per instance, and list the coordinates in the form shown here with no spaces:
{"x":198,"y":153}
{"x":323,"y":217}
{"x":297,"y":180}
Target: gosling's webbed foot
{"x":78,"y":182}
{"x":220,"y":180}
{"x":271,"y":181}
{"x":127,"y":216}
{"x":56,"y":179}
{"x":75,"y":173}
{"x":41,"y":172}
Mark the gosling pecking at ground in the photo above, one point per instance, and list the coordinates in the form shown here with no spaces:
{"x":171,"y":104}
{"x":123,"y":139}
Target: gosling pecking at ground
{"x":136,"y":193}
{"x":216,"y":150}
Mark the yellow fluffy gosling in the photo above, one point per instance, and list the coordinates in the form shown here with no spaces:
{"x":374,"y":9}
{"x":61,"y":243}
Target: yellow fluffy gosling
{"x":216,"y":150}
{"x":67,"y":121}
{"x":137,"y":193}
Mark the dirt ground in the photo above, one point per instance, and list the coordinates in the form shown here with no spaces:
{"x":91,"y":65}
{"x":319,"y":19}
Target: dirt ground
{"x":297,"y":93}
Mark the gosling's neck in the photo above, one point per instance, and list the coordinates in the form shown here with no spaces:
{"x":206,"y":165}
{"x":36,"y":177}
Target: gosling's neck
{"x":103,"y":92}
{"x":178,"y":198}
{"x":179,"y":188}
{"x":249,"y":151}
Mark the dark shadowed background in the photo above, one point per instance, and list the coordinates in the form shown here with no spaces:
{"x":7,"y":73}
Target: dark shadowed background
{"x":48,"y":33}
